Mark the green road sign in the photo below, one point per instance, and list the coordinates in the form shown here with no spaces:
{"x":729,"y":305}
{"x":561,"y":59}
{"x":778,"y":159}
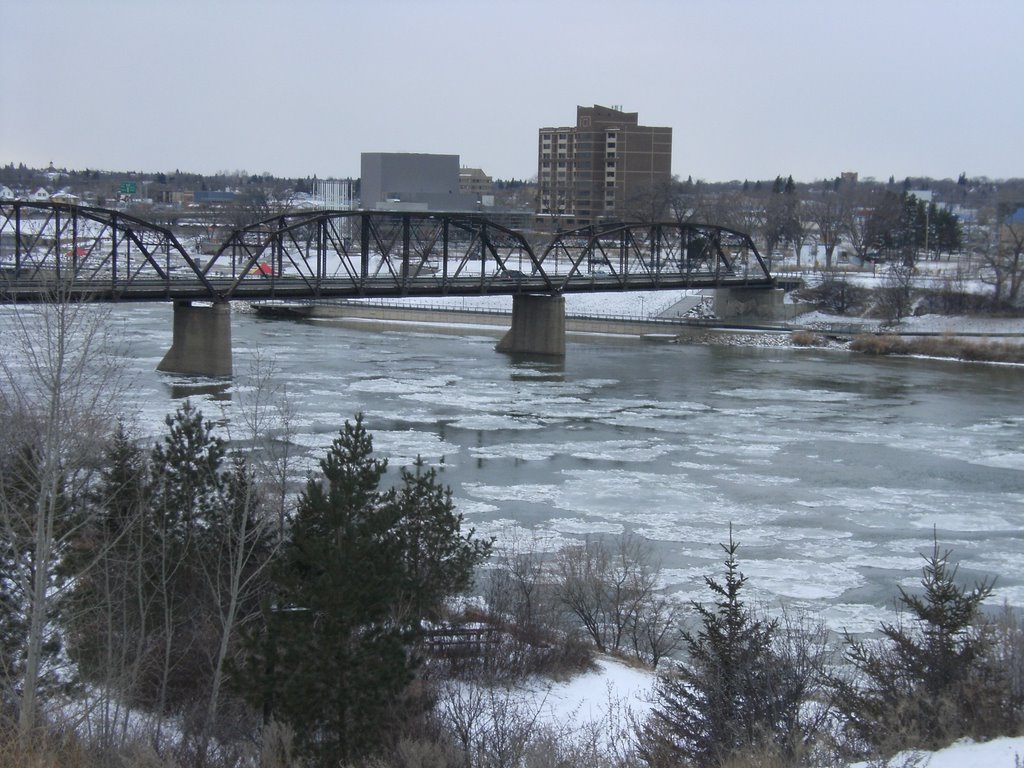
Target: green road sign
{"x":128,"y":187}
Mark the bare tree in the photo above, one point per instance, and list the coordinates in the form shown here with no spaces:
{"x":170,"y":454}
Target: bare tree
{"x":858,"y":202}
{"x":897,"y":292}
{"x":104,"y":620}
{"x":1004,"y":260}
{"x":266,"y":417}
{"x":517,"y":590}
{"x":800,"y":229}
{"x":612,"y":592}
{"x":652,"y":203}
{"x":654,"y":631}
{"x":735,"y":209}
{"x":826,"y":212}
{"x":245,"y":545}
{"x":58,"y":402}
{"x":837,"y":293}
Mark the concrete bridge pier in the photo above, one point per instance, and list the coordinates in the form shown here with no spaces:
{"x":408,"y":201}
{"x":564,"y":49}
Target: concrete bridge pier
{"x":201,"y":345}
{"x":538,"y":326}
{"x":739,"y":303}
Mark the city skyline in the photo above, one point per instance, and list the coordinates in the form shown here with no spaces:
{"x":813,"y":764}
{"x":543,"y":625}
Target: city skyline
{"x":751,"y":90}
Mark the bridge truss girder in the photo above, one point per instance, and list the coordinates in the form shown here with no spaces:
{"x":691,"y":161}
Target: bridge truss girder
{"x":110,"y":255}
{"x":380,"y":253}
{"x":51,"y":247}
{"x":650,"y":256}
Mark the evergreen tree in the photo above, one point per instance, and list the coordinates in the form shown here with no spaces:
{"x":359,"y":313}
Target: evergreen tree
{"x":148,"y":616}
{"x":184,"y":477}
{"x":338,"y":659}
{"x":734,"y":695}
{"x":437,"y":560}
{"x":169,"y":567}
{"x":186,"y":466}
{"x":105,"y":623}
{"x":359,"y":570}
{"x":927,"y":682}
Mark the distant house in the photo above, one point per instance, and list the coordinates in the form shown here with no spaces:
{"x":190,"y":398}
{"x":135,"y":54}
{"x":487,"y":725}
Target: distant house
{"x":40,"y":196}
{"x":65,"y":197}
{"x":6,"y":193}
{"x":473,"y":181}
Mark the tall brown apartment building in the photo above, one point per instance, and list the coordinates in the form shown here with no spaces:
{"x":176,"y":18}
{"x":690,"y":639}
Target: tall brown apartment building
{"x":594,"y":171}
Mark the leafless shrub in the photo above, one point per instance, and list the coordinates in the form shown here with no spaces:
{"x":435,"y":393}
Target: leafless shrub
{"x":837,"y":294}
{"x":492,"y":727}
{"x":278,"y":746}
{"x":1006,"y":656}
{"x":611,"y":591}
{"x":50,"y":746}
{"x":521,"y":603}
{"x":946,"y":345}
{"x":807,"y":339}
{"x":495,"y":727}
{"x":894,"y":298}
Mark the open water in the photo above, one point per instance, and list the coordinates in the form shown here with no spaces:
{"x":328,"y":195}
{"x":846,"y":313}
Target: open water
{"x":833,"y":469}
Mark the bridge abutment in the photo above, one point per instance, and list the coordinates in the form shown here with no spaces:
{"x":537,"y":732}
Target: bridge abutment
{"x":740,"y":303}
{"x":201,"y":345}
{"x":538,"y":326}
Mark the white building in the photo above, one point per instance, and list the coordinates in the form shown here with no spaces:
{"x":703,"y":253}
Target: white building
{"x":333,"y":194}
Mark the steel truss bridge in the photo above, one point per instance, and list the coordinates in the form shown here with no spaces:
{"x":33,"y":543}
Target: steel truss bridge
{"x":105,"y":255}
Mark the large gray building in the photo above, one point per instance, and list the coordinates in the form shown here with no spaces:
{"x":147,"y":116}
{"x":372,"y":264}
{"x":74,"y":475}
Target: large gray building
{"x":412,"y":182}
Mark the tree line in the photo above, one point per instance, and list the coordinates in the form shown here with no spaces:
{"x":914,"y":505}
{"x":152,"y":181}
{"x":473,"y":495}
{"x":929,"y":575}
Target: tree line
{"x":975,"y":222}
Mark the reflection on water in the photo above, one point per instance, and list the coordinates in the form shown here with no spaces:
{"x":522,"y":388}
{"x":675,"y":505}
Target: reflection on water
{"x":219,"y":390}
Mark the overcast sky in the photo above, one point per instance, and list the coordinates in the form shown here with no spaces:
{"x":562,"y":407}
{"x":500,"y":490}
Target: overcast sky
{"x":752,"y":89}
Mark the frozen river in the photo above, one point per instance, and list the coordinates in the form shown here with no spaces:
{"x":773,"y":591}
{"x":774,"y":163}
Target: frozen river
{"x":833,"y":469}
